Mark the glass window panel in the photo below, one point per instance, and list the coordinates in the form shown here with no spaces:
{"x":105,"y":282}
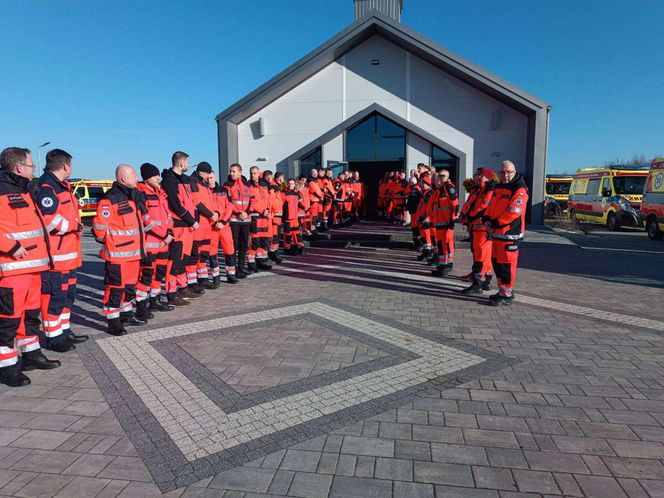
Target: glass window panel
{"x":364,"y":129}
{"x":386,"y":128}
{"x":361,"y":150}
{"x":310,"y":161}
{"x":389,"y":149}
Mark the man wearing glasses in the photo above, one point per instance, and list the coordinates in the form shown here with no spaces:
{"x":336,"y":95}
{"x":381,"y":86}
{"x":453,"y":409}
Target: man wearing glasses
{"x":505,"y":220}
{"x":24,"y":255}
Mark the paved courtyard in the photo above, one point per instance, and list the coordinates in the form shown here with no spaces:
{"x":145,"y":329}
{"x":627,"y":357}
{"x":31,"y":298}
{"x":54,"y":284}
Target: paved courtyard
{"x":353,"y":372}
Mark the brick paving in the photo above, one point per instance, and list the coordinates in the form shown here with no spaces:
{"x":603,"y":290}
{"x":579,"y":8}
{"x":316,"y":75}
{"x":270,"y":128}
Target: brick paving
{"x":576,"y":409}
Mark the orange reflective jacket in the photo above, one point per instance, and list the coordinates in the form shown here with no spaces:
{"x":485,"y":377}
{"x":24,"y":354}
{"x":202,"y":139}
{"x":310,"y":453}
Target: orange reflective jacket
{"x":59,"y":210}
{"x":21,"y":225}
{"x":506,"y":212}
{"x":443,"y":206}
{"x":118,"y":225}
{"x":160,"y":224}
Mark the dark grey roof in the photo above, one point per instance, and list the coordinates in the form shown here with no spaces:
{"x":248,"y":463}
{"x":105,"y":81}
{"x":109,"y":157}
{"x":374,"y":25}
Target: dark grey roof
{"x":397,"y":33}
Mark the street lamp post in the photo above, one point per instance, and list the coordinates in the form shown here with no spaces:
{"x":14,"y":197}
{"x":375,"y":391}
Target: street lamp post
{"x":39,"y":156}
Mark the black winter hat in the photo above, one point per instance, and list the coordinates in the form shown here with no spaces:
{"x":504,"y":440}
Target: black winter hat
{"x":204,"y":167}
{"x":148,"y":171}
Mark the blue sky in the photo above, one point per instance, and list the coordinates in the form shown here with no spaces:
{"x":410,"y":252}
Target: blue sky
{"x":132,"y":81}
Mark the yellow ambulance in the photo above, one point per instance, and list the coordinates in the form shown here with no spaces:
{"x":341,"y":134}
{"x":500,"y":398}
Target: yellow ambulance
{"x":652,"y":207}
{"x":88,"y":193}
{"x":610,"y":196}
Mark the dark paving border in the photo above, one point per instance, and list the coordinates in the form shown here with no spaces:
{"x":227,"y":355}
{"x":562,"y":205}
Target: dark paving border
{"x":169,"y":467}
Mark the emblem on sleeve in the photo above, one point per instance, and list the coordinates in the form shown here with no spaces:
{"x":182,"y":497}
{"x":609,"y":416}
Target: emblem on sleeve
{"x":106,"y":213}
{"x":47,"y":202}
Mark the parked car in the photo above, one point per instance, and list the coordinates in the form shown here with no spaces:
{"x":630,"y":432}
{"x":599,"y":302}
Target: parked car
{"x":652,"y":207}
{"x":610,"y":196}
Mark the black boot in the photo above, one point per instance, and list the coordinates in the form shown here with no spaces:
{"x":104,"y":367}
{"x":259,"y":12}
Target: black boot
{"x":501,"y":300}
{"x":157,"y":305}
{"x":174,"y":299}
{"x":73,"y":338}
{"x":129,"y":318}
{"x":251,"y":268}
{"x":216,"y":282}
{"x":13,"y":377}
{"x":231,"y":279}
{"x":475,"y":288}
{"x":206,"y":284}
{"x":300,"y":250}
{"x":433,"y":259}
{"x":263,"y":265}
{"x":36,"y":360}
{"x":61,"y":346}
{"x":143,"y":310}
{"x":426,"y":253}
{"x":240,"y":272}
{"x":441,"y":271}
{"x":274,"y":256}
{"x":115,"y":327}
{"x":196,"y":289}
{"x":487,"y":283}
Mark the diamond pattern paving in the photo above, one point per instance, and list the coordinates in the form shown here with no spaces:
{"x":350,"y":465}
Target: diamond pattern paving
{"x":262,"y":357}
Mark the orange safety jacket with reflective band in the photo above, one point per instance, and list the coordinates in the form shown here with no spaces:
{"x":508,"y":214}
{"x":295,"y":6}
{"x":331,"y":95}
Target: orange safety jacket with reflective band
{"x":442,"y":207}
{"x":507,"y":210}
{"x":201,"y":194}
{"x":160,"y":223}
{"x":222,"y":203}
{"x":356,"y":185}
{"x":240,"y":197}
{"x":118,"y":225}
{"x":21,"y":225}
{"x":180,"y":201}
{"x":315,"y":192}
{"x":59,"y":210}
{"x":477,"y":204}
{"x":276,"y":203}
{"x":421,"y":213}
{"x":260,"y":202}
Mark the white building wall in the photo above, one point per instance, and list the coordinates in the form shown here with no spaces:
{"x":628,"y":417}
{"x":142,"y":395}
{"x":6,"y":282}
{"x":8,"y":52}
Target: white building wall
{"x":333,"y":150}
{"x":418,"y":151}
{"x":456,"y":113}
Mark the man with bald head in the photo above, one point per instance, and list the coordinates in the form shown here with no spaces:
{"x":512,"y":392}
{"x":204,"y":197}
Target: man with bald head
{"x":118,"y":225}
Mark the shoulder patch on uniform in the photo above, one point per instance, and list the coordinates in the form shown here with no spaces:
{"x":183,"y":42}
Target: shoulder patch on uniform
{"x":105,"y":213}
{"x":519,"y":200}
{"x":452,"y":190}
{"x":48,"y":202}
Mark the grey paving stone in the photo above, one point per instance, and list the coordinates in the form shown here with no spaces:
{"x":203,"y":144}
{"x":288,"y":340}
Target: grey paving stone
{"x":531,"y":481}
{"x":41,"y":440}
{"x":310,"y":485}
{"x":596,"y":486}
{"x":456,"y":492}
{"x":43,"y":485}
{"x":412,"y":490}
{"x":487,"y":477}
{"x":586,"y":445}
{"x":394,"y":468}
{"x":504,"y":457}
{"x":281,"y":482}
{"x":638,"y":468}
{"x":567,"y":485}
{"x":126,"y":468}
{"x":82,"y":487}
{"x":456,"y":453}
{"x":637,"y":449}
{"x":365,"y":466}
{"x":412,"y":450}
{"x":244,"y":479}
{"x":391,"y":430}
{"x":327,"y":463}
{"x":361,"y":488}
{"x":113,"y":488}
{"x":89,"y":465}
{"x":346,"y":465}
{"x":562,"y":462}
{"x":499,"y":439}
{"x":46,"y":461}
{"x":442,"y":473}
{"x":301,"y":461}
{"x":368,"y":446}
{"x":438,"y":434}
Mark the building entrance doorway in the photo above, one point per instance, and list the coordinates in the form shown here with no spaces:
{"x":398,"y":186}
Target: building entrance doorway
{"x":370,"y":173}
